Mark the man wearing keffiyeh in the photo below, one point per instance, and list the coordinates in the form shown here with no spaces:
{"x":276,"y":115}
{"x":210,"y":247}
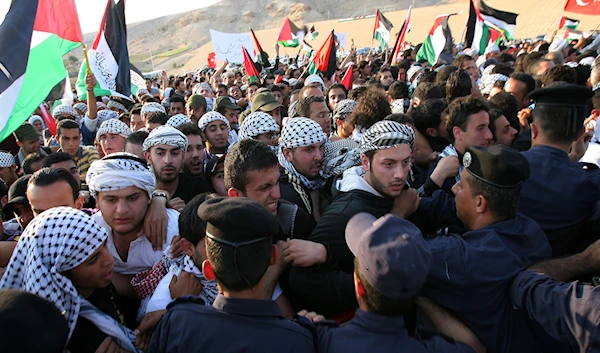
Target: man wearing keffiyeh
{"x":301,"y":153}
{"x":62,"y":258}
{"x":385,"y":150}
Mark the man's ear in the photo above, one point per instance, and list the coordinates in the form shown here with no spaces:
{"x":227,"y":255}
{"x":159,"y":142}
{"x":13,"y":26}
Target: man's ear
{"x":147,"y":156}
{"x":207,"y":270}
{"x":358,"y":287}
{"x":535,"y":131}
{"x":79,"y":202}
{"x":187,"y":247}
{"x":481,"y":204}
{"x":287,"y":153}
{"x":233,"y":192}
{"x":456,"y":132}
{"x":366,"y":164}
{"x":431,"y":132}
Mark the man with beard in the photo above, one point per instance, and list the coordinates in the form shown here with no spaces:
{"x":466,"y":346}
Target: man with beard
{"x":194,"y":159}
{"x":164,"y":150}
{"x":196,"y":107}
{"x":386,"y":150}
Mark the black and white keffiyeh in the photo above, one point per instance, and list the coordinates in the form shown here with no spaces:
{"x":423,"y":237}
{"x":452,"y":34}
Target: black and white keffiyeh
{"x":117,"y":105}
{"x":81,"y":107}
{"x":100,"y":105}
{"x":113,"y":126}
{"x":386,"y":134}
{"x":178,"y":119}
{"x":344,"y":108}
{"x":105,"y":115}
{"x":301,"y":132}
{"x":255,"y":124}
{"x":165,"y":135}
{"x":151,"y":107}
{"x":340,"y":156}
{"x":56,"y":241}
{"x":64,"y":109}
{"x":487,"y":82}
{"x":119,"y":171}
{"x":210,"y":117}
{"x":184,"y":263}
{"x":6,"y":160}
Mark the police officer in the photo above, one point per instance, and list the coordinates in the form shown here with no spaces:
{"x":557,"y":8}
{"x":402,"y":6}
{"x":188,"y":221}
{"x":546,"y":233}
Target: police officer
{"x":386,"y":293}
{"x":559,"y":195}
{"x":568,"y":312}
{"x":472,"y":270}
{"x":239,"y":252}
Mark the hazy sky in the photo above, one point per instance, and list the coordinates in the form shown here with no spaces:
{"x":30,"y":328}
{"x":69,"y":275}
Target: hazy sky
{"x":91,"y":11}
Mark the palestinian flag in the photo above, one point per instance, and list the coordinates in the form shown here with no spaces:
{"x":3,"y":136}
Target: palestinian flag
{"x":251,"y":70}
{"x":137,"y":82}
{"x":438,"y":46}
{"x":290,"y":35}
{"x":108,"y":55}
{"x":312,"y":33}
{"x":482,"y":18}
{"x":569,"y":23}
{"x":306,"y":48}
{"x":34,"y":36}
{"x":382,"y":29}
{"x":261,"y":56}
{"x":324,"y":60}
{"x":571,"y":34}
{"x":395,"y":57}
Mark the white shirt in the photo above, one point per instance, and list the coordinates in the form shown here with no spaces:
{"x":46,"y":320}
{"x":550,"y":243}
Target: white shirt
{"x":141,"y":256}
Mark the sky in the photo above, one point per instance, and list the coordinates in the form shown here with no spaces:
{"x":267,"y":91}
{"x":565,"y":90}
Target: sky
{"x":91,"y":11}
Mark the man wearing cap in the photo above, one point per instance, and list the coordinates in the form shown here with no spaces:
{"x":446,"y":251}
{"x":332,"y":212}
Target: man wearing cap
{"x":225,"y":107}
{"x":558,"y":121}
{"x":196,"y":107}
{"x":301,"y":154}
{"x":240,"y":256}
{"x":17,"y":207}
{"x":385,"y":153}
{"x":164,"y":150}
{"x":28,"y":139}
{"x":217,"y":130}
{"x":8,"y":169}
{"x":473,"y":266}
{"x":123,"y":187}
{"x":112,"y":135}
{"x":68,"y":136}
{"x":341,"y":117}
{"x":266,"y":102}
{"x":385,"y":294}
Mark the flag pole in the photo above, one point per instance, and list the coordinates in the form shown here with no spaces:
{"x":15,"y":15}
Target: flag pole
{"x":559,"y":21}
{"x":87,"y":61}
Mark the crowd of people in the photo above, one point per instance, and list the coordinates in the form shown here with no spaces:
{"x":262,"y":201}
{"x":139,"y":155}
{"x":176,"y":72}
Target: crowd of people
{"x":430,"y":207}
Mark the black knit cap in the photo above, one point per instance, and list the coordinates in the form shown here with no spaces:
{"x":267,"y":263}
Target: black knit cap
{"x":497,"y":165}
{"x":237,"y":220}
{"x":566,"y":95}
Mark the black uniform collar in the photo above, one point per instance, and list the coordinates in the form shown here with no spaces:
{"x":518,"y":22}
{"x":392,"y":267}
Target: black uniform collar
{"x":247,"y":307}
{"x":378,"y":323}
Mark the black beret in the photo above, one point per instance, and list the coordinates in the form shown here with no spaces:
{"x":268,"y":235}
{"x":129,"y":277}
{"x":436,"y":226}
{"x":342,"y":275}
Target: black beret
{"x":497,"y":165}
{"x":237,"y":219}
{"x":566,"y":95}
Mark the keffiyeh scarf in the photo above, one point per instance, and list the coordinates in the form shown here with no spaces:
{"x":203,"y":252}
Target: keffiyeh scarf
{"x":340,"y":156}
{"x":386,"y":134}
{"x":257,"y":123}
{"x":210,"y":117}
{"x":178,"y":119}
{"x":57,"y":241}
{"x":165,"y":135}
{"x":113,"y":126}
{"x":119,"y":171}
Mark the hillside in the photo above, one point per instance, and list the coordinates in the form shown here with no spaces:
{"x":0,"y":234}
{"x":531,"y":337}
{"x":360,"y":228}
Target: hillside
{"x":182,"y":41}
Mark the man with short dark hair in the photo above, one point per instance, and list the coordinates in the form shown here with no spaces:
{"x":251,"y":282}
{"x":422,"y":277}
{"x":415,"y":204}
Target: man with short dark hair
{"x":472,"y":271}
{"x":135,"y":118}
{"x":68,"y":136}
{"x":315,"y":108}
{"x":430,"y":121}
{"x":134,"y":142}
{"x":399,"y":97}
{"x":503,"y":133}
{"x":335,"y":94}
{"x":195,"y":155}
{"x":64,"y":161}
{"x":238,"y":257}
{"x":467,"y":63}
{"x":53,"y":187}
{"x":32,"y":163}
{"x":177,"y":106}
{"x":156,"y":119}
{"x":467,"y":125}
{"x":28,"y":139}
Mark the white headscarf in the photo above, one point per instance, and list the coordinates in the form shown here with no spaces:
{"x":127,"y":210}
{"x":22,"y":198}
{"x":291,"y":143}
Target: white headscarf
{"x":166,"y":135}
{"x":119,"y":171}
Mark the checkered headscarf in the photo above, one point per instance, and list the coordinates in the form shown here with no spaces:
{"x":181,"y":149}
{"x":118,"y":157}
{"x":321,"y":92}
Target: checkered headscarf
{"x":119,"y":171}
{"x":300,"y":132}
{"x":81,"y":106}
{"x":210,"y":117}
{"x":386,"y":134}
{"x":56,"y":241}
{"x":65,"y":109}
{"x":487,"y":82}
{"x":100,"y":105}
{"x":178,"y":119}
{"x":115,"y":104}
{"x":257,"y":123}
{"x":344,"y":108}
{"x":105,"y":115}
{"x":113,"y":126}
{"x":6,"y":160}
{"x":166,"y":135}
{"x":152,"y":107}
